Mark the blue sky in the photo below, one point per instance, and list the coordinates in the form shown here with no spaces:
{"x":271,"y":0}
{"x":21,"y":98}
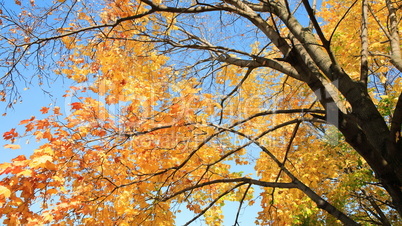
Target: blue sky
{"x":34,"y":98}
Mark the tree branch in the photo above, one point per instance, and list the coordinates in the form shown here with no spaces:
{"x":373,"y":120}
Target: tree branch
{"x":240,"y":205}
{"x":364,"y":44}
{"x":396,"y":58}
{"x":321,"y":203}
{"x":213,"y":202}
{"x":260,"y":62}
{"x":242,"y":180}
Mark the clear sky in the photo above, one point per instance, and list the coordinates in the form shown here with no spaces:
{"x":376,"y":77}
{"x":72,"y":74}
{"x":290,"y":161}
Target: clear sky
{"x":33,"y":99}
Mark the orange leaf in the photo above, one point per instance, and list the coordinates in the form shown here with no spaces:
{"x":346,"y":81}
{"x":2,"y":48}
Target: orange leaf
{"x":74,"y":88}
{"x":56,"y":110}
{"x":44,"y":110}
{"x":19,"y":158}
{"x":27,"y":120}
{"x":76,"y":105}
{"x":47,"y":135}
{"x":50,"y":166}
{"x":12,"y":146}
{"x":10,"y":134}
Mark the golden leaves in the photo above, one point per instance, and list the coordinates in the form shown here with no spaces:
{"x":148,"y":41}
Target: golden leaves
{"x":69,"y":42}
{"x":346,"y":41}
{"x":44,"y":161}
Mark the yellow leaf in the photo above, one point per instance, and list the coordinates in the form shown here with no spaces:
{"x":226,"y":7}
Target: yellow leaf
{"x":26,"y":173}
{"x":383,"y":79}
{"x":43,"y":161}
{"x":50,"y":165}
{"x":52,"y":191}
{"x":5,"y":191}
{"x":376,"y":45}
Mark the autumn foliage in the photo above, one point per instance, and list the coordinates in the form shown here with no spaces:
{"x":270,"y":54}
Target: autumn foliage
{"x":172,"y":100}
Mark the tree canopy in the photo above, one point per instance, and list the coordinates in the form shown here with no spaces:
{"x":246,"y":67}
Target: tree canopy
{"x":172,"y":100}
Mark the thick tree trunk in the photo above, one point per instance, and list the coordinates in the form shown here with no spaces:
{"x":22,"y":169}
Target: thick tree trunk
{"x":384,"y":171}
{"x":363,"y":126}
{"x":367,"y":132}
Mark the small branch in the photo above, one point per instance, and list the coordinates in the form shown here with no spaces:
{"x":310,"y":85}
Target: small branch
{"x":117,"y":22}
{"x":382,"y":217}
{"x":364,"y":45}
{"x":249,"y":70}
{"x":269,"y":112}
{"x":229,"y":129}
{"x":339,"y":22}
{"x":317,"y":27}
{"x":321,"y":203}
{"x":240,"y":205}
{"x":241,"y":180}
{"x":213,"y":202}
{"x":394,"y":39}
{"x":260,"y":62}
{"x":311,"y":24}
{"x":138,"y":133}
{"x":191,"y":9}
{"x":378,"y":22}
{"x":245,"y":10}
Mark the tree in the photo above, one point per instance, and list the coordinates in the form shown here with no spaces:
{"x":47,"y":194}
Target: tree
{"x":309,"y":96}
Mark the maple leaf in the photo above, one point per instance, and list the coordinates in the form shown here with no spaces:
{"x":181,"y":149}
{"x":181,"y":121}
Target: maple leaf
{"x":19,"y":158}
{"x":10,"y":135}
{"x":77,"y":105}
{"x":44,"y":110}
